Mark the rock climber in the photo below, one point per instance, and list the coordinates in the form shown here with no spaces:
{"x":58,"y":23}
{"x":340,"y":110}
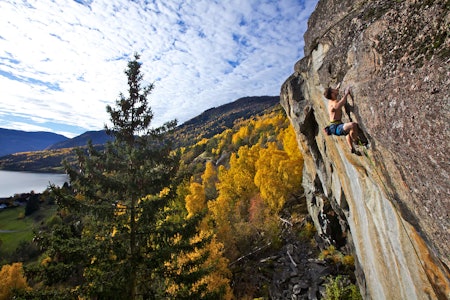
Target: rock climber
{"x":337,"y":127}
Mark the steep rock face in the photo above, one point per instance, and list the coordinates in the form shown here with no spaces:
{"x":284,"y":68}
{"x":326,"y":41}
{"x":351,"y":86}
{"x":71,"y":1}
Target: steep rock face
{"x":390,"y":205}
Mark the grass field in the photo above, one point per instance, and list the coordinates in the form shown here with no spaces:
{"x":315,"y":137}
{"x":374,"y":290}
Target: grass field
{"x":14,"y":230}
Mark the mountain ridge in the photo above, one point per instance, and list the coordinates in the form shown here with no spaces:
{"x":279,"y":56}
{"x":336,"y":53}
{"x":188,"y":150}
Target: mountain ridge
{"x":97,"y":137}
{"x":210,"y":122}
{"x":216,"y":119}
{"x":13,"y":141}
{"x":205,"y":125}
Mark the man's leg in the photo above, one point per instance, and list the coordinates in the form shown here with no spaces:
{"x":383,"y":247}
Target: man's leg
{"x":352,"y":136}
{"x":349,"y":142}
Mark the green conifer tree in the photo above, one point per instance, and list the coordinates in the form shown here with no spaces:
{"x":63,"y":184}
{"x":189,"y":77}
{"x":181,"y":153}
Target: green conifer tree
{"x":125,"y":197}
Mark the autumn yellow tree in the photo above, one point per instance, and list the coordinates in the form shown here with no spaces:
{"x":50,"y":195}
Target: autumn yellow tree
{"x":12,"y":279}
{"x":294,"y":166}
{"x":218,"y":277}
{"x":241,"y":136}
{"x":279,"y":170}
{"x":268,"y":177}
{"x":209,"y":180}
{"x":216,"y":283}
{"x":196,"y":200}
{"x":230,"y":209}
{"x":290,"y":144}
{"x":224,"y":141}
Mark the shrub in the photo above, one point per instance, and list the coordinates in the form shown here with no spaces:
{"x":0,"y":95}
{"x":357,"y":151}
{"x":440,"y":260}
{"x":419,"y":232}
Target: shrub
{"x":334,"y":255}
{"x":308,"y":230}
{"x":340,"y":288}
{"x":331,"y":253}
{"x":349,"y":261}
{"x":12,"y":279}
{"x":21,"y":215}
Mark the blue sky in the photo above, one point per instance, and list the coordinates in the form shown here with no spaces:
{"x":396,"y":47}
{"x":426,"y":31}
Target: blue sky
{"x":62,"y":62}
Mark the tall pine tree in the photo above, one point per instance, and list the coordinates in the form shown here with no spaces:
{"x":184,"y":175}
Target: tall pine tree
{"x":124,"y":197}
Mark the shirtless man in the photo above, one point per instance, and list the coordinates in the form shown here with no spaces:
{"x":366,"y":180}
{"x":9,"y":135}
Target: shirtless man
{"x":336,"y":127}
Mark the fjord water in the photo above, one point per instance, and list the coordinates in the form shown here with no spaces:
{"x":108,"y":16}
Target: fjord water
{"x":24,"y":182}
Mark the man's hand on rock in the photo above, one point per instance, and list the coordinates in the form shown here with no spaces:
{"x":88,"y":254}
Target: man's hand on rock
{"x":347,"y":90}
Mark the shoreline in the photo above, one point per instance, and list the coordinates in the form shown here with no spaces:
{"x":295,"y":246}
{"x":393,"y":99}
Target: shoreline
{"x":38,"y":171}
{"x":13,"y":183}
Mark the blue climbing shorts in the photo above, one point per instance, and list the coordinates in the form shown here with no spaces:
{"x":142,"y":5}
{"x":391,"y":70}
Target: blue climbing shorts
{"x":337,"y":129}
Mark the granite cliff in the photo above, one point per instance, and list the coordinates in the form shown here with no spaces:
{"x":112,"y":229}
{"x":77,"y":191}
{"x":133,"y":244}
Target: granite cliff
{"x":389,"y":206}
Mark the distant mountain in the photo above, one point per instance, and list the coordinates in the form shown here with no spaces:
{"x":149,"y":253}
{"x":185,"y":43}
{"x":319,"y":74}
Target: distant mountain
{"x":217,"y":119}
{"x":206,"y":125}
{"x":97,"y":137}
{"x":13,"y":141}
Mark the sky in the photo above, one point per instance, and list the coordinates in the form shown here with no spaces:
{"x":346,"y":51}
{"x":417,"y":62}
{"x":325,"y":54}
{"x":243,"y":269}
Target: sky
{"x":63,"y":61}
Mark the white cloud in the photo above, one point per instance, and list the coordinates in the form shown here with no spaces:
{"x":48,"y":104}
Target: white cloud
{"x":62,"y":62}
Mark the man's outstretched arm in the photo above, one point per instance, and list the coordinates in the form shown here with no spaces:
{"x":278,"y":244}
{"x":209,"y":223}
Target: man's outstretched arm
{"x":343,"y":100}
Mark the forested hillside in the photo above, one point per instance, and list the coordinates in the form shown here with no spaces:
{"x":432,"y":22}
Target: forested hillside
{"x":217,"y":119}
{"x":206,"y":125}
{"x":237,"y":182}
{"x":241,"y":179}
{"x":218,"y":219}
{"x":243,"y":183}
{"x":37,"y":161}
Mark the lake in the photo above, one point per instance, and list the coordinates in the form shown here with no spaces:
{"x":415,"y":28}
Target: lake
{"x":24,"y":182}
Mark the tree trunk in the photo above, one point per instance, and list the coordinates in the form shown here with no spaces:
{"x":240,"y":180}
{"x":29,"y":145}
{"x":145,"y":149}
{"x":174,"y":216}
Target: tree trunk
{"x":133,"y":249}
